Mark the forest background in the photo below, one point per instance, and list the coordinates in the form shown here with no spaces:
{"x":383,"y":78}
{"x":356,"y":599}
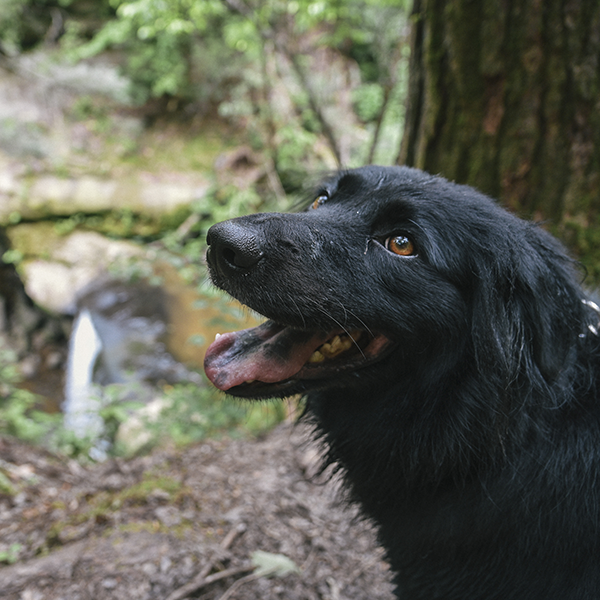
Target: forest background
{"x":256,"y":99}
{"x":253,"y":100}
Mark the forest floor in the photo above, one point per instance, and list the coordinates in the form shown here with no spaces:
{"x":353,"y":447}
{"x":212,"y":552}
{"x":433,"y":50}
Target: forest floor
{"x":183,"y":523}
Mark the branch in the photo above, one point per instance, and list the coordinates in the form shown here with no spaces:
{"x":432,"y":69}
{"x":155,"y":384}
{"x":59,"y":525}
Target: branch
{"x":268,"y":34}
{"x":203,"y":578}
{"x":313,"y":102}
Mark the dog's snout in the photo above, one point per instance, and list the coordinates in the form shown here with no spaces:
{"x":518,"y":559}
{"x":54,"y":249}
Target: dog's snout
{"x":233,"y":247}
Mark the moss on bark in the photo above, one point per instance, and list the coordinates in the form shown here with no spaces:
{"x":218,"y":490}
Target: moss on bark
{"x":505,"y":96}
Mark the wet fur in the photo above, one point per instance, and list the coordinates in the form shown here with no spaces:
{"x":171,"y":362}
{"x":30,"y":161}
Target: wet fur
{"x":475,"y":445}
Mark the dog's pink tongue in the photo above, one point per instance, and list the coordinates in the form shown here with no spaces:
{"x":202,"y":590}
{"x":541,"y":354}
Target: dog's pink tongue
{"x":267,"y":353}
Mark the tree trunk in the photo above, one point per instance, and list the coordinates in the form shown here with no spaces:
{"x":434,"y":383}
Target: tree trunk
{"x":505,"y":96}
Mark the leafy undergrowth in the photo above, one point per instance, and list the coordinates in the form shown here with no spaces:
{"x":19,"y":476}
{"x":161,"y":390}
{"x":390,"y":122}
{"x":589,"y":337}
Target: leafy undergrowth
{"x":178,"y":414}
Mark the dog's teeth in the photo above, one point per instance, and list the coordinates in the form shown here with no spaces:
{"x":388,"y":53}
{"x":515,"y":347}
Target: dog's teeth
{"x":316,"y":357}
{"x":339,"y":344}
{"x":250,"y":381}
{"x":217,"y":336}
{"x":335,"y":346}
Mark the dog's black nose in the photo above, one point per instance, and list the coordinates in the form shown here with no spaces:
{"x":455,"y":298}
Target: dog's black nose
{"x":233,"y":247}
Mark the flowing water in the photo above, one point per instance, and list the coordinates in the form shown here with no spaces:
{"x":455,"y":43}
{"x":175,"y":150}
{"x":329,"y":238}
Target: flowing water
{"x":137,"y":333}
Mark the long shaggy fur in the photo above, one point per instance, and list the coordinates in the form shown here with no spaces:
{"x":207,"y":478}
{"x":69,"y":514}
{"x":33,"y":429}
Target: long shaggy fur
{"x":474,"y":444}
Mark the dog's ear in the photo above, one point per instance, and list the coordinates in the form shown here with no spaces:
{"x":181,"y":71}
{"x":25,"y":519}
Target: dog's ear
{"x":527,"y":312}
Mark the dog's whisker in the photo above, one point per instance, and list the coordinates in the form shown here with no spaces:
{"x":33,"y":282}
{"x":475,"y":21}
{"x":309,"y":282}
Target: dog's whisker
{"x":347,"y":312}
{"x":299,"y":312}
{"x":362,"y":323}
{"x":341,"y":326}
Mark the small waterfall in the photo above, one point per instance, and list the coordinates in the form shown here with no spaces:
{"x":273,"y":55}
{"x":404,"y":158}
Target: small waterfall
{"x":80,"y":407}
{"x":117,"y":339}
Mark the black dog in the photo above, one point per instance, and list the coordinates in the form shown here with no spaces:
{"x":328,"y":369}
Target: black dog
{"x":449,"y":359}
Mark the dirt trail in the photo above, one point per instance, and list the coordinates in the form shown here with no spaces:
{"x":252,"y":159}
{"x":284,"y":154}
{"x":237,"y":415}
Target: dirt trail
{"x":182,"y":524}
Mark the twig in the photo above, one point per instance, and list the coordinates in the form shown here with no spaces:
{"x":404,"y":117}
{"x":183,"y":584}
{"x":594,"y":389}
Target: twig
{"x":184,"y":229}
{"x":387,"y":93}
{"x":269,"y":33}
{"x":253,"y":576}
{"x":274,"y":181}
{"x":203,"y":578}
{"x":313,"y":101}
{"x":237,"y":584}
{"x":226,"y":573}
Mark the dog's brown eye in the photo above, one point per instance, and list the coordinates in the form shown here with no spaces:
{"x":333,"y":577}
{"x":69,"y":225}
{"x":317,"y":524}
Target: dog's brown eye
{"x":400,"y":245}
{"x":320,"y":200}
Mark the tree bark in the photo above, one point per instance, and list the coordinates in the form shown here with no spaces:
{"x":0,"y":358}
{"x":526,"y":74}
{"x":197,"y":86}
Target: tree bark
{"x":505,"y":96}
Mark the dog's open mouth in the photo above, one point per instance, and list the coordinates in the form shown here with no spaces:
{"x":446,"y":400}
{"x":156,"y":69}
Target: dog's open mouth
{"x":271,"y":359}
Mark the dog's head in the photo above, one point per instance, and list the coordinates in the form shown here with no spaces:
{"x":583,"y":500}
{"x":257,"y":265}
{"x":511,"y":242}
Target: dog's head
{"x":387,"y":271}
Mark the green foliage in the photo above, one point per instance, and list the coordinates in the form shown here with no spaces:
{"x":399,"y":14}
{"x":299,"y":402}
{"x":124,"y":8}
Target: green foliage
{"x":19,"y":414}
{"x":27,"y":23}
{"x":230,"y":54}
{"x":185,"y":413}
{"x":188,"y":413}
{"x":11,"y":25}
{"x":229,"y":202}
{"x":157,"y":37}
{"x":19,"y":417}
{"x":6,"y":487}
{"x":11,"y":554}
{"x":194,"y":413}
{"x":368,"y":101}
{"x":237,"y":57}
{"x":295,"y":147}
{"x":12,"y":256}
{"x":123,"y":223}
{"x":159,"y":68}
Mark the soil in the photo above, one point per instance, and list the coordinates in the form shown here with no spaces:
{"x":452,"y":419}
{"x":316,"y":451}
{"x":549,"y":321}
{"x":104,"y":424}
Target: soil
{"x":183,"y":523}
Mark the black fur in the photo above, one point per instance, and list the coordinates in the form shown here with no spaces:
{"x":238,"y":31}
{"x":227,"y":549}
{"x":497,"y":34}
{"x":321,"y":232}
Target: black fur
{"x":473,"y":441}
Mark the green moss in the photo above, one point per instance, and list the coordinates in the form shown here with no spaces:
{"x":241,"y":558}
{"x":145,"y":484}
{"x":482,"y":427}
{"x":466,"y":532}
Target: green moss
{"x":34,"y":239}
{"x":174,"y":219}
{"x":123,"y":223}
{"x":153,"y":526}
{"x":172,"y":149}
{"x":100,"y":506}
{"x":138,"y":493}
